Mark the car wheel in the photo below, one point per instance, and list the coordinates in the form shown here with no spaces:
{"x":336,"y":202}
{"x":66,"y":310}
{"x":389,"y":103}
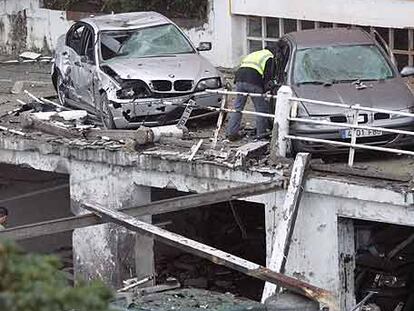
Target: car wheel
{"x":105,"y":113}
{"x":60,"y":90}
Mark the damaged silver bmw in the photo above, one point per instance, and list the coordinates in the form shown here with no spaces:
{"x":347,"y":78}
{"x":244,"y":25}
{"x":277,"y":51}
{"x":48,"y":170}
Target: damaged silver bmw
{"x":133,"y":69}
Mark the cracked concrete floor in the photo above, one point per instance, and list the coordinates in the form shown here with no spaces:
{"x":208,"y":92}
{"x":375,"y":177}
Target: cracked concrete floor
{"x":34,"y":77}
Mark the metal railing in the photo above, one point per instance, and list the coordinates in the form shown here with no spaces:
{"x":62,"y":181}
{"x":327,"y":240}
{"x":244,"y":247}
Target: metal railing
{"x":284,"y":115}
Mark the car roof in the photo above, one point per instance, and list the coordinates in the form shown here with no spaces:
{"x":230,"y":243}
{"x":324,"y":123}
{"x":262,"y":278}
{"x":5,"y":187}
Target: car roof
{"x":126,"y":21}
{"x":329,"y":37}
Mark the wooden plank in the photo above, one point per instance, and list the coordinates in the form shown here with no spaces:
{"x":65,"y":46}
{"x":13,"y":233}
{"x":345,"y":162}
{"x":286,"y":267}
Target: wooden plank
{"x":154,"y":208}
{"x":217,"y":256}
{"x":284,"y":227}
{"x":346,"y":244}
{"x":31,"y":122}
{"x":340,"y":169}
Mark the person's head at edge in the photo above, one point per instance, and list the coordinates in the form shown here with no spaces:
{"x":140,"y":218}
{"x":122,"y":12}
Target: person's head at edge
{"x":275,"y":50}
{"x":3,"y":215}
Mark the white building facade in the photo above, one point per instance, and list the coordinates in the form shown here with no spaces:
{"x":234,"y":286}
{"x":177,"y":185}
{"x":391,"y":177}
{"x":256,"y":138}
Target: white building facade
{"x":267,"y":20}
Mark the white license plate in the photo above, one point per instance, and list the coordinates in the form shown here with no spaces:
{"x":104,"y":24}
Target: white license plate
{"x":360,"y":133}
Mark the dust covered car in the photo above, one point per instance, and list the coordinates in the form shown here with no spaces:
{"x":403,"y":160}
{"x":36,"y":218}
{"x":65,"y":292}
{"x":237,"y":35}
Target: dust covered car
{"x":133,"y":69}
{"x":346,"y":66}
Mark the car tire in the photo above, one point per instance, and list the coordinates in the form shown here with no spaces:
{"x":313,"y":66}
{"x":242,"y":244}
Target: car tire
{"x":105,"y":113}
{"x":60,"y":90}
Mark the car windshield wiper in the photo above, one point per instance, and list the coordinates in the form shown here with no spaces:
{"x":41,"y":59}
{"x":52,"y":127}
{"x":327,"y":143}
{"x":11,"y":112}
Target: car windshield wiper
{"x":158,"y":55}
{"x":146,"y":56}
{"x":357,"y":81}
{"x":316,"y":82}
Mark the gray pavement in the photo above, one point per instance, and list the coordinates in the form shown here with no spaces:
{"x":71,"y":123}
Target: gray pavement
{"x":34,"y":77}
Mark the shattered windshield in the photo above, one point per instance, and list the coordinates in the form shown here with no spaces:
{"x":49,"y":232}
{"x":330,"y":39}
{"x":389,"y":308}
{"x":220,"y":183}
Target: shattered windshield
{"x":155,"y":41}
{"x":340,"y":64}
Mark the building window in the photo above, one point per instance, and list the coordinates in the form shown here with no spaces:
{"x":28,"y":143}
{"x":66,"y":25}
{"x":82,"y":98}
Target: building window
{"x":265,"y":31}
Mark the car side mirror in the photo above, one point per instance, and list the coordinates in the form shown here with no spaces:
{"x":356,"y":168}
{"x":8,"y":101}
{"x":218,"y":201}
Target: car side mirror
{"x":204,"y":46}
{"x":407,"y":71}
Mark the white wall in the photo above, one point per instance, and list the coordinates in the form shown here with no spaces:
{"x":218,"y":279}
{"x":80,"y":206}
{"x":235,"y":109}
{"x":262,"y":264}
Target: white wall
{"x":385,"y":13}
{"x":225,"y":31}
{"x":45,"y":26}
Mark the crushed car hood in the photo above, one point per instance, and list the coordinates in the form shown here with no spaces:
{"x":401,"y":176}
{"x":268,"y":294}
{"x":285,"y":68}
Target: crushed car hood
{"x":186,"y":67}
{"x":391,"y":94}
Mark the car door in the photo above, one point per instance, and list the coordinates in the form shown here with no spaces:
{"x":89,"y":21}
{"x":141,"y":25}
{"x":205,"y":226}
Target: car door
{"x":283,"y":65}
{"x":85,"y":68}
{"x":70,"y":56}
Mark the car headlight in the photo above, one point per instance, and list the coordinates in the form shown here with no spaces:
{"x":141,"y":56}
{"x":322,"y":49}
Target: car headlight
{"x":397,"y":116}
{"x":320,"y":118}
{"x":210,"y":83}
{"x":133,"y":89}
{"x":127,"y":93}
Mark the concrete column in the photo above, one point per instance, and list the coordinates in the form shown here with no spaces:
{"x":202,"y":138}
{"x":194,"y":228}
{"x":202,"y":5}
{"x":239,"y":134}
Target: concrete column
{"x":314,"y":253}
{"x":108,"y":252}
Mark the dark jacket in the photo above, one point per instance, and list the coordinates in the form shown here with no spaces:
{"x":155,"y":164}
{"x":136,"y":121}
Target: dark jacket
{"x":250,"y":75}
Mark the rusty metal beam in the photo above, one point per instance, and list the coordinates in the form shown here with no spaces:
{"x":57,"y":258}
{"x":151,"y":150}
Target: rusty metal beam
{"x":159,"y":207}
{"x":219,"y":257}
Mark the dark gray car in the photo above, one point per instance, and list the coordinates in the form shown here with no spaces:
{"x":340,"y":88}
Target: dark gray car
{"x":345,"y":66}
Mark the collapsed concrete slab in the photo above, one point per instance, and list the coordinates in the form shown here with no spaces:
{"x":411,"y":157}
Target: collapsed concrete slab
{"x":322,"y":242}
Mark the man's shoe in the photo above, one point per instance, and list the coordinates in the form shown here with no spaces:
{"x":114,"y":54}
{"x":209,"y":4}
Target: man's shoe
{"x":234,"y":137}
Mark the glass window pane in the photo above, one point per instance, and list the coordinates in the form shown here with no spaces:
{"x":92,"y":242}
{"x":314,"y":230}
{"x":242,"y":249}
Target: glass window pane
{"x":343,"y":25}
{"x":402,"y":61}
{"x":325,"y":25}
{"x":272,"y":28}
{"x":255,"y":27}
{"x":365,"y":28}
{"x":401,"y":39}
{"x":383,"y":32}
{"x":271,"y":44}
{"x":308,"y":25}
{"x":254,"y":45}
{"x":341,"y":63}
{"x":289,"y":25}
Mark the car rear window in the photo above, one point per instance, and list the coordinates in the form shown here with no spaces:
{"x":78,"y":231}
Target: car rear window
{"x":340,"y":64}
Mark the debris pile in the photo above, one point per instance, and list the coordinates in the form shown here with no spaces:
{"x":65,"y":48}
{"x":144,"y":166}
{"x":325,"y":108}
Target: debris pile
{"x":241,"y":223}
{"x":385,"y":266}
{"x":45,"y":118}
{"x":192,"y":300}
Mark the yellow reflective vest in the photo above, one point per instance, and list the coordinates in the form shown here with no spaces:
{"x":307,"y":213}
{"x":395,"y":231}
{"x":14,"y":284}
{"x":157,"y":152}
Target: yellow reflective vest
{"x":257,"y":60}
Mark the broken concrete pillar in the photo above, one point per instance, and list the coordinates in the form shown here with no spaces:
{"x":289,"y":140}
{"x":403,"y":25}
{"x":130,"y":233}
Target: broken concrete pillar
{"x":108,"y":252}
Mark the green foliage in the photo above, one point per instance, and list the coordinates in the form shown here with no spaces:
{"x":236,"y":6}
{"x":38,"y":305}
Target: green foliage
{"x":171,"y":8}
{"x":34,"y":283}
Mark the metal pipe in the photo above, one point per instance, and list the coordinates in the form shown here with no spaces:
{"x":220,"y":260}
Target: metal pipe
{"x":54,"y":104}
{"x":316,"y":102}
{"x":359,"y":146}
{"x":269,"y":96}
{"x":353,"y":107}
{"x":6,"y":129}
{"x":351,"y":156}
{"x":349,"y":125}
{"x":261,"y":114}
